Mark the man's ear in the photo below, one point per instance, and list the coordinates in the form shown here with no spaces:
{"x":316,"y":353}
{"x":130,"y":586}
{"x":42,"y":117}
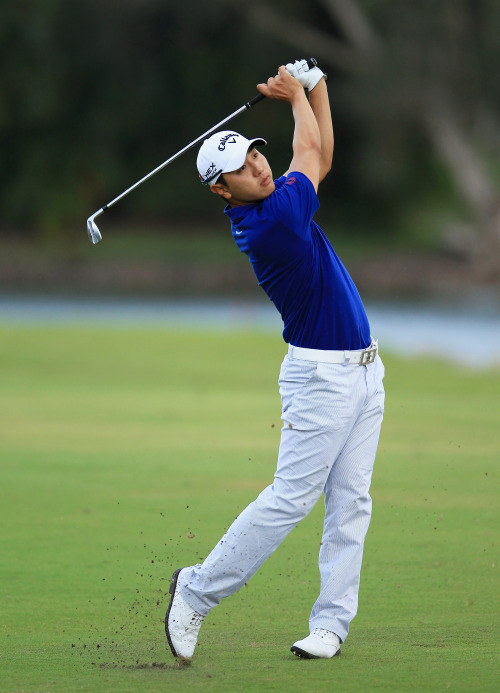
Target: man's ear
{"x":222,"y":190}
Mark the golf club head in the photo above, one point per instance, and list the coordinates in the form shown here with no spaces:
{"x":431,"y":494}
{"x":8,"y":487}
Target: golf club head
{"x":93,"y":231}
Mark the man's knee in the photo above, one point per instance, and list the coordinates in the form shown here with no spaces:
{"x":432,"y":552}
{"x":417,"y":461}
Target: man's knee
{"x":281,"y":502}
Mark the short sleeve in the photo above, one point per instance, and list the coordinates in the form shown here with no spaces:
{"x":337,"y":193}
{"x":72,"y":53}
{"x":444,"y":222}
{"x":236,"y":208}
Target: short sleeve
{"x":294,"y":203}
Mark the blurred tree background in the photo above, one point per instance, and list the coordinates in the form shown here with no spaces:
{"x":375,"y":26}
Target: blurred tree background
{"x":95,"y":94}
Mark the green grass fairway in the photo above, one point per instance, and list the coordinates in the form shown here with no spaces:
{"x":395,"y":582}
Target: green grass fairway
{"x":124,"y":454}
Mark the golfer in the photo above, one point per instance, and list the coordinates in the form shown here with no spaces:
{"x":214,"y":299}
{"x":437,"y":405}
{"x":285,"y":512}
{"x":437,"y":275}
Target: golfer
{"x":330,"y":381}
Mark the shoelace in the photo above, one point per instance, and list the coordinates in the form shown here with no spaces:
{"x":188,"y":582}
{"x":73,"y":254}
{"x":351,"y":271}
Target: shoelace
{"x":197,"y":619}
{"x":322,"y":633}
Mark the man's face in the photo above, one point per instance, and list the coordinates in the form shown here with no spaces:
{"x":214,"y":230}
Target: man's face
{"x":251,"y":183}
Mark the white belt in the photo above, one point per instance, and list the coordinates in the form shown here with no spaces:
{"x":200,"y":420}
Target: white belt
{"x":361,"y":356}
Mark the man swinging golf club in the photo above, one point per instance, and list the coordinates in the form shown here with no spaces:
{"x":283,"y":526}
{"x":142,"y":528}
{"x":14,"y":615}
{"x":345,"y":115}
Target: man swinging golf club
{"x":330,"y":381}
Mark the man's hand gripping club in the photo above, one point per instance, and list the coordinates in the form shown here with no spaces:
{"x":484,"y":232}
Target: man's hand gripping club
{"x":306,"y":138}
{"x":282,"y":87}
{"x":307,"y":76}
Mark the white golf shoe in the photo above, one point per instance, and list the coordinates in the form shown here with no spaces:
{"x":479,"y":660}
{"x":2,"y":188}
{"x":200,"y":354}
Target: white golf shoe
{"x":320,"y":644}
{"x":182,"y":623}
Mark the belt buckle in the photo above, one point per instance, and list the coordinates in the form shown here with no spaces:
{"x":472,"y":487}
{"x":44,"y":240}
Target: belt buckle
{"x":368,"y":356}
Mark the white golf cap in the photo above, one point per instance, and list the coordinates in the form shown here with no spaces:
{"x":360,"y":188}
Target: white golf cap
{"x":221,"y":153}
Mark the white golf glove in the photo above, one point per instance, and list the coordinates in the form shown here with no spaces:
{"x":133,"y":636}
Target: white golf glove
{"x":307,"y":77}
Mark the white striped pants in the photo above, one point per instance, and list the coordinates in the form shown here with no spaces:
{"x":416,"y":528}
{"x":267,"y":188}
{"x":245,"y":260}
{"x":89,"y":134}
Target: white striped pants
{"x":332,"y":416}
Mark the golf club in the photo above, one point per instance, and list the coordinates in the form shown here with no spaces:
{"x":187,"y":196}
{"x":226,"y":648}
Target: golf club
{"x":93,"y":231}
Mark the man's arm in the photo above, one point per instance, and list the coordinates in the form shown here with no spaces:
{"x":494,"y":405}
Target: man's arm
{"x":320,"y":105}
{"x":314,"y":80}
{"x":307,"y":146}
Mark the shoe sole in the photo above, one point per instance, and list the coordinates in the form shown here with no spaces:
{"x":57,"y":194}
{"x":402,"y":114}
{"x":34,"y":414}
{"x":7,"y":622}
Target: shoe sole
{"x":307,"y":655}
{"x":171,"y":589}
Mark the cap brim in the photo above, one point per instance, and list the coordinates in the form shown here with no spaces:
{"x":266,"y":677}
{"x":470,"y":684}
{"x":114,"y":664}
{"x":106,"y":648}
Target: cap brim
{"x":257,"y":140}
{"x":235,"y":163}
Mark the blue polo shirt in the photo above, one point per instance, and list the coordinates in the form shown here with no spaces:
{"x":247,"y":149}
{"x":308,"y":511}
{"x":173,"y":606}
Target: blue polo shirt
{"x":298,"y":269}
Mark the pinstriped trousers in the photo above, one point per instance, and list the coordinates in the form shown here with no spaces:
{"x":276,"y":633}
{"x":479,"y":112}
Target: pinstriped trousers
{"x":332,"y":414}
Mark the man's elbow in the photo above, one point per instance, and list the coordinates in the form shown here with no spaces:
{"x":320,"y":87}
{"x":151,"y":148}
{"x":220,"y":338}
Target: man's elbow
{"x":325,"y":169}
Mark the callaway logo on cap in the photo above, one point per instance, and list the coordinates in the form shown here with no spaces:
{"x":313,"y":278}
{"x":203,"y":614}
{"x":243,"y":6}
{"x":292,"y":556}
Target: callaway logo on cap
{"x":221,"y":153}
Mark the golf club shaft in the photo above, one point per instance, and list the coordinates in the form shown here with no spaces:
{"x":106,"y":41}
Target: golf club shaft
{"x":248,"y":104}
{"x":92,"y":228}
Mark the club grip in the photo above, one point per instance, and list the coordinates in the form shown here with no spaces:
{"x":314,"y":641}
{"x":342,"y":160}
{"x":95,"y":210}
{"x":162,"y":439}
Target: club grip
{"x":312,"y":62}
{"x":255,"y":100}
